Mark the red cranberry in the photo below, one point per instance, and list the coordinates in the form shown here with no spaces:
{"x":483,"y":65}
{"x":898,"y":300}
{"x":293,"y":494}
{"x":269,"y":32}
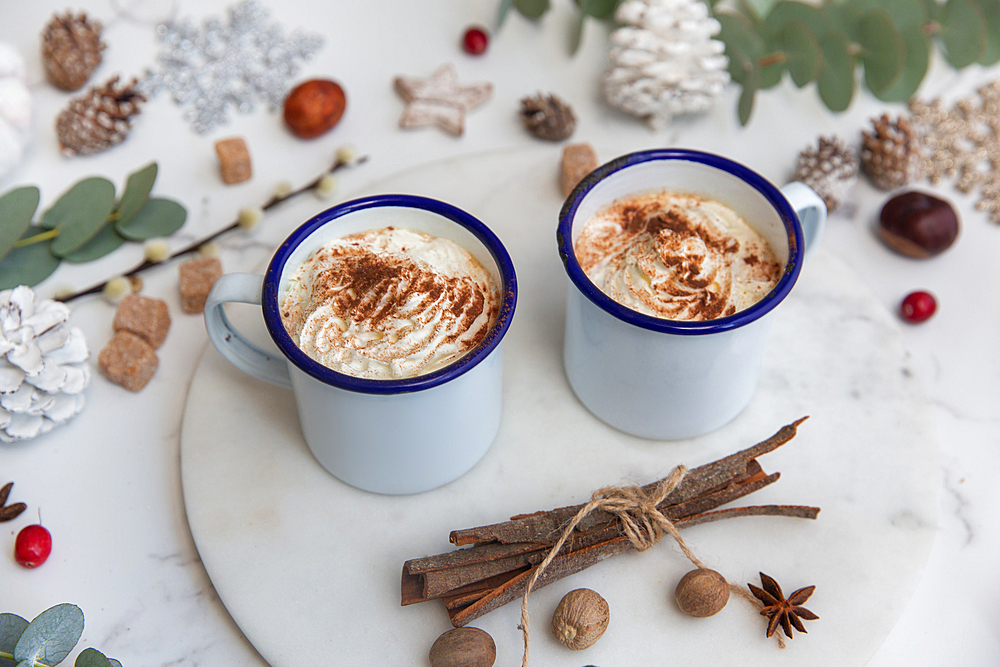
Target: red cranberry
{"x":918,"y":225}
{"x":475,"y":41}
{"x":32,"y":546}
{"x":918,"y":307}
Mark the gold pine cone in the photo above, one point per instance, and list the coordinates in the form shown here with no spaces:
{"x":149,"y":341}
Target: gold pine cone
{"x":71,"y":50}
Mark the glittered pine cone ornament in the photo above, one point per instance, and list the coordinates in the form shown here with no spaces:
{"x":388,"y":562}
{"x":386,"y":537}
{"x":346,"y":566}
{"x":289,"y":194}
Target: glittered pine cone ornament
{"x":890,"y":154}
{"x":71,"y":50}
{"x":43,"y":369}
{"x":831,"y":169}
{"x":98,"y":120}
{"x":663,"y":62}
{"x":548,"y":117}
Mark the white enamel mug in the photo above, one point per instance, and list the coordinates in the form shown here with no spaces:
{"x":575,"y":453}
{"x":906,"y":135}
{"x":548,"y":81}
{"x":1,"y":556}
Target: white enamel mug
{"x":663,"y":379}
{"x":387,"y":436}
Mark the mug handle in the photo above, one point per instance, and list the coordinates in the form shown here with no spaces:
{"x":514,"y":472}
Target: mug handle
{"x":234,"y":346}
{"x":811,"y":210}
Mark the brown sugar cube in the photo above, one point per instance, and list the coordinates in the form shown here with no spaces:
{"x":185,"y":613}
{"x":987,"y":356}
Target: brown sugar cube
{"x":128,"y":360}
{"x":143,"y":316}
{"x":578,"y":160}
{"x":234,"y":160}
{"x":197,"y":278}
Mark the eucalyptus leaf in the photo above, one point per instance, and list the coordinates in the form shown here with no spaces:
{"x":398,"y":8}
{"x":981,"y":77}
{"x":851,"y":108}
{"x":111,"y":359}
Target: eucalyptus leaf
{"x":883,"y":50}
{"x":750,"y":86}
{"x":11,"y":628}
{"x":904,"y":13}
{"x":934,"y":9}
{"x":16,"y":210}
{"x":28,"y":265}
{"x":771,"y":73}
{"x":159,"y":217}
{"x":991,"y":10}
{"x":918,"y":53}
{"x":760,"y":8}
{"x":91,"y":657}
{"x":503,"y":11}
{"x":51,"y":636}
{"x":962,"y":33}
{"x":743,"y":45}
{"x":803,"y":52}
{"x":787,"y":10}
{"x":114,"y":663}
{"x":599,"y":9}
{"x":845,"y":19}
{"x":137,"y":190}
{"x":532,"y":9}
{"x":836,"y":76}
{"x":106,"y":241}
{"x":80,"y":213}
{"x":576,"y":36}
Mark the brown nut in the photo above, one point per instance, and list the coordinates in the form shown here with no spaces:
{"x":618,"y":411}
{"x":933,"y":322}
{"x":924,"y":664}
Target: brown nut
{"x":463,"y":647}
{"x":918,"y":225}
{"x":702,"y":592}
{"x":580,"y":619}
{"x":314,"y":107}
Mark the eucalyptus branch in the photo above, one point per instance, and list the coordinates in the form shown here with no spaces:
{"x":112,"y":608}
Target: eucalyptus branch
{"x":277,"y":198}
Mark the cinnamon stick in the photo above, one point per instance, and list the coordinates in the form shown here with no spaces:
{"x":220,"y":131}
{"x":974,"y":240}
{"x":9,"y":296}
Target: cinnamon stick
{"x":495,"y":569}
{"x":543,"y":527}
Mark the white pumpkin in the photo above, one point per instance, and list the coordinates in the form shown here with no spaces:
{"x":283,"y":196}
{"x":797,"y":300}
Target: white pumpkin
{"x":15,"y":108}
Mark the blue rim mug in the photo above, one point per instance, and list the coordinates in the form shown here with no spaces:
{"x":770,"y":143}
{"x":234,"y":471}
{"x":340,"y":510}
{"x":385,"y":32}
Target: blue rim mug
{"x":665,"y":379}
{"x":395,"y":436}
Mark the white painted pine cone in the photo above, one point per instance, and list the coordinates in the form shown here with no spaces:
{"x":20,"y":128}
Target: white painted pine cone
{"x":15,"y":108}
{"x":663,"y":61}
{"x":43,"y":369}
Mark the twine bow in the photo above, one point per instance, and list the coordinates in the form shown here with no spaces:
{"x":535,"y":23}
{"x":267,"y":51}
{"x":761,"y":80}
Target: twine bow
{"x":641,"y":521}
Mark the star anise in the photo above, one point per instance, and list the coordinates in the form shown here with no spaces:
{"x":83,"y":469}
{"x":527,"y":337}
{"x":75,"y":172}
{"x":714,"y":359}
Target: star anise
{"x":786,"y":613}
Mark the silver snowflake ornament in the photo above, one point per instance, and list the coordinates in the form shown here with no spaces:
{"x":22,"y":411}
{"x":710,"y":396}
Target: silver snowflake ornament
{"x":215,"y":67}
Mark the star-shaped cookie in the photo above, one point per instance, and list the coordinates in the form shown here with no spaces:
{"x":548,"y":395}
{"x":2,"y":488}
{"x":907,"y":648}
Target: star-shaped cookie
{"x":439,"y":99}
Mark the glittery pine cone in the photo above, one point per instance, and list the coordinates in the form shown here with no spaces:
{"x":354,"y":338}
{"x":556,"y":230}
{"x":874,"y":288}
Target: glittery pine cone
{"x":43,"y":369}
{"x":831,"y":169}
{"x":71,"y":50}
{"x":98,"y":120}
{"x":663,"y":61}
{"x":548,"y":117}
{"x":890,"y":155}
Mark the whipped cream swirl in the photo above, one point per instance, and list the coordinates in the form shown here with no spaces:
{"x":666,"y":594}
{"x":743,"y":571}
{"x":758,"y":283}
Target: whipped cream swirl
{"x":389,"y":303}
{"x":677,"y":256}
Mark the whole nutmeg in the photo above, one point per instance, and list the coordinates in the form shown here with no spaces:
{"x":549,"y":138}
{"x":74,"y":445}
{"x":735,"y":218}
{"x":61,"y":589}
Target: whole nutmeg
{"x":580,"y":619}
{"x":702,"y":592}
{"x":463,"y":647}
{"x":918,"y":225}
{"x":314,"y":107}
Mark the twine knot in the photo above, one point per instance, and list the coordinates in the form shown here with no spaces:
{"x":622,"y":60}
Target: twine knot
{"x":641,"y":520}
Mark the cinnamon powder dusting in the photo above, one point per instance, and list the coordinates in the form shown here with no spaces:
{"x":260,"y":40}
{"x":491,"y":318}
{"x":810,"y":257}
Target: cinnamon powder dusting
{"x":677,"y":256}
{"x":389,"y":303}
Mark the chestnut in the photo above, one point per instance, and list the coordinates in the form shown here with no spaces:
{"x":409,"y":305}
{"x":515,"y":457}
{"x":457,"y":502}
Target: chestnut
{"x":918,"y":225}
{"x":314,"y":107}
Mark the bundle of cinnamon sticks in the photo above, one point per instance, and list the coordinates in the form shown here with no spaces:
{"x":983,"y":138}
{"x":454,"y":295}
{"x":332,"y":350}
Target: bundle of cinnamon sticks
{"x":495,"y":569}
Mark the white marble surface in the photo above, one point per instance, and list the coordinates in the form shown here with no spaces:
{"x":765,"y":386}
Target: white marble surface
{"x":867,"y":456}
{"x":108,"y":484}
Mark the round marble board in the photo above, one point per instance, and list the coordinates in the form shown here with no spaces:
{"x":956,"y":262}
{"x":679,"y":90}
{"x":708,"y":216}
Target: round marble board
{"x":310,"y":568}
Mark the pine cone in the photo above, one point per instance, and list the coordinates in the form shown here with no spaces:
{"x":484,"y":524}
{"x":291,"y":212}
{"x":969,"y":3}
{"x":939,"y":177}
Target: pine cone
{"x":831,"y":170}
{"x":548,"y":117}
{"x":71,"y":50}
{"x":43,"y":369}
{"x":891,"y":155}
{"x":664,"y":62}
{"x":98,"y":120}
